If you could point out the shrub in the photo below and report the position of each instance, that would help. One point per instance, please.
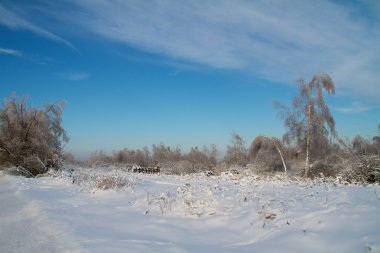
(331, 166)
(365, 169)
(107, 182)
(236, 153)
(31, 138)
(267, 155)
(100, 180)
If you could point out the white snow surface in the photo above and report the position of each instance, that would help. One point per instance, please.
(162, 213)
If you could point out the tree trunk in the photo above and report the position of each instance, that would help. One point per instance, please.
(275, 143)
(282, 158)
(308, 140)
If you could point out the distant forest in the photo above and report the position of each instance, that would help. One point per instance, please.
(32, 141)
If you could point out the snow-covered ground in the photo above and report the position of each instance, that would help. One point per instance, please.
(160, 213)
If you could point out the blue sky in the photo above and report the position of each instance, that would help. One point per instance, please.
(188, 73)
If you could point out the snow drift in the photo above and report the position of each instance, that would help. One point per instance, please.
(160, 213)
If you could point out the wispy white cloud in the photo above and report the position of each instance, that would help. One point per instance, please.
(36, 58)
(277, 40)
(355, 107)
(9, 51)
(74, 76)
(14, 21)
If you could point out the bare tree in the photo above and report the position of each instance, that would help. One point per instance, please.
(119, 156)
(310, 123)
(99, 157)
(236, 152)
(202, 159)
(69, 158)
(31, 138)
(142, 157)
(196, 158)
(361, 146)
(376, 144)
(211, 154)
(162, 154)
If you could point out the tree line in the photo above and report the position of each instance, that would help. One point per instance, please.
(33, 139)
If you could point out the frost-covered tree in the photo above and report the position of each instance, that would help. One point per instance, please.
(211, 154)
(309, 123)
(138, 157)
(269, 150)
(31, 138)
(196, 158)
(236, 152)
(202, 159)
(361, 146)
(376, 144)
(163, 154)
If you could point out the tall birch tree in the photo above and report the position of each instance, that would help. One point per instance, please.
(309, 123)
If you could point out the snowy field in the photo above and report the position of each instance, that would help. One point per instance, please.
(161, 213)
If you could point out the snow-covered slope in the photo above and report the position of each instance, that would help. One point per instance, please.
(159, 213)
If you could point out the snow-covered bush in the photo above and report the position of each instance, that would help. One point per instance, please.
(17, 171)
(182, 167)
(100, 180)
(106, 182)
(31, 139)
(331, 166)
(364, 169)
(236, 153)
(163, 202)
(219, 168)
(267, 154)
